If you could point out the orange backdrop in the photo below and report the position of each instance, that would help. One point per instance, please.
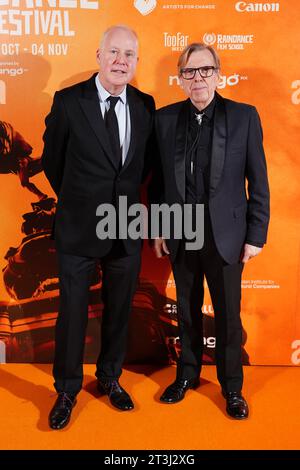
(46, 45)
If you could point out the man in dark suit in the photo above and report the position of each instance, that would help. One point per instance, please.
(96, 145)
(212, 154)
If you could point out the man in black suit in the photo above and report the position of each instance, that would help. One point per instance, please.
(97, 140)
(212, 154)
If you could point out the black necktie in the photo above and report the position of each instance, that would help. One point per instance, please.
(112, 127)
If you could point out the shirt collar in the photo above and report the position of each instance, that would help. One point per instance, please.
(208, 111)
(104, 94)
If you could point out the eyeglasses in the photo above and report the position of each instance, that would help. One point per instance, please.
(204, 72)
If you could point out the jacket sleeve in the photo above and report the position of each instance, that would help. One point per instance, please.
(151, 144)
(258, 213)
(55, 142)
(156, 184)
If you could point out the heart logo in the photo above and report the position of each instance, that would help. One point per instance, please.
(145, 6)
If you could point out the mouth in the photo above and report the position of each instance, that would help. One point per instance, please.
(199, 88)
(118, 71)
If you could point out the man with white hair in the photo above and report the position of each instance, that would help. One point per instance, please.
(97, 139)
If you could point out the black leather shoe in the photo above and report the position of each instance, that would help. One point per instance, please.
(61, 412)
(236, 405)
(117, 395)
(176, 391)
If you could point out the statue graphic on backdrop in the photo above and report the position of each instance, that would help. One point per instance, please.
(15, 158)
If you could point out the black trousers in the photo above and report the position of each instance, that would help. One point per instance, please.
(119, 278)
(224, 283)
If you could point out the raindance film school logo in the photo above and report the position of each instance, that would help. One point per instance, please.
(177, 42)
(228, 41)
(145, 6)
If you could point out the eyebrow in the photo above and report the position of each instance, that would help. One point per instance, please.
(118, 48)
(200, 66)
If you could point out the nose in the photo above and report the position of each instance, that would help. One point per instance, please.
(121, 58)
(198, 77)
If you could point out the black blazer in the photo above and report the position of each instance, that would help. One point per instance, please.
(80, 166)
(237, 158)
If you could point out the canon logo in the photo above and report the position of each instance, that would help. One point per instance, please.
(256, 7)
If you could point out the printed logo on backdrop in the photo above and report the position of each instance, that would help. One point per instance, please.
(295, 358)
(171, 309)
(267, 7)
(145, 6)
(2, 92)
(2, 352)
(170, 314)
(12, 69)
(176, 42)
(38, 19)
(260, 284)
(189, 6)
(41, 17)
(228, 41)
(209, 39)
(208, 341)
(296, 94)
(225, 80)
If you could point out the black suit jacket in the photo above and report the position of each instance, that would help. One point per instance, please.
(237, 162)
(80, 166)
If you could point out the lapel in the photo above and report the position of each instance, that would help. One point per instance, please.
(89, 103)
(218, 145)
(181, 133)
(136, 118)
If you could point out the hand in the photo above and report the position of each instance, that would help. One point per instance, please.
(160, 248)
(249, 252)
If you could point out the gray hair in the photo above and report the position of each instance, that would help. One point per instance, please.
(194, 47)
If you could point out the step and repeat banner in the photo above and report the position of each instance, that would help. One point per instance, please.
(46, 45)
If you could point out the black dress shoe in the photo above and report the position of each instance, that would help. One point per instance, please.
(176, 391)
(118, 397)
(236, 405)
(61, 412)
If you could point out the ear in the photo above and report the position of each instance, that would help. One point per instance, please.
(98, 54)
(180, 82)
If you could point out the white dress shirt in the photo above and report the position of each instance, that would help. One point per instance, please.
(122, 113)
